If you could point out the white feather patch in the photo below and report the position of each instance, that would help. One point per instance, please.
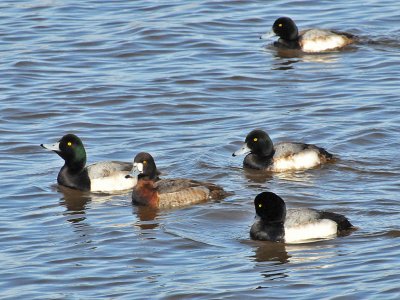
(317, 40)
(304, 160)
(115, 182)
(138, 166)
(321, 229)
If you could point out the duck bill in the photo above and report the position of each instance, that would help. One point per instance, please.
(136, 171)
(242, 151)
(267, 35)
(52, 147)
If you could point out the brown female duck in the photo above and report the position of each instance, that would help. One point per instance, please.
(152, 191)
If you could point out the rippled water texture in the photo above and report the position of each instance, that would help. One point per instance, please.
(186, 81)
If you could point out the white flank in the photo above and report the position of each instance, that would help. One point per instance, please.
(321, 229)
(116, 182)
(320, 40)
(304, 160)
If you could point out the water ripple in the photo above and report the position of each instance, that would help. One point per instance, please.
(187, 81)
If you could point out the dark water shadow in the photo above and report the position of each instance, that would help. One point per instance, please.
(261, 177)
(75, 203)
(390, 233)
(257, 176)
(147, 217)
(383, 43)
(270, 259)
(270, 251)
(287, 58)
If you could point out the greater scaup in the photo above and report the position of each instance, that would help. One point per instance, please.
(106, 176)
(262, 154)
(309, 40)
(277, 224)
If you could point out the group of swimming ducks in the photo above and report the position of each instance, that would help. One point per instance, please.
(275, 222)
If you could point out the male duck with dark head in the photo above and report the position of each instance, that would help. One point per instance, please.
(152, 191)
(262, 154)
(107, 176)
(309, 40)
(277, 224)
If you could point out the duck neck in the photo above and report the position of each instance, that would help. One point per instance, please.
(144, 193)
(147, 177)
(74, 178)
(291, 44)
(75, 165)
(258, 161)
(275, 230)
(76, 161)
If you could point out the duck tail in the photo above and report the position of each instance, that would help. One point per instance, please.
(324, 155)
(342, 222)
(328, 156)
(217, 192)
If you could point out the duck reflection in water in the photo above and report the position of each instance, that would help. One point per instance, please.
(147, 217)
(270, 251)
(286, 59)
(257, 176)
(270, 258)
(75, 202)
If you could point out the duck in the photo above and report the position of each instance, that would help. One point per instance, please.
(154, 192)
(105, 176)
(310, 40)
(262, 154)
(275, 223)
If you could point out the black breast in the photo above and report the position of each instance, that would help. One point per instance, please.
(257, 162)
(267, 232)
(75, 180)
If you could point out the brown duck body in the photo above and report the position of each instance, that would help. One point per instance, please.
(169, 193)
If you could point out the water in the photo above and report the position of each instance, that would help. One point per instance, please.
(186, 81)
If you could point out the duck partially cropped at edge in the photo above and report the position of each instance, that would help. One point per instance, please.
(106, 176)
(277, 224)
(262, 154)
(309, 40)
(152, 191)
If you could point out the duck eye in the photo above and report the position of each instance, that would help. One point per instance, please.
(145, 162)
(280, 25)
(260, 205)
(69, 144)
(255, 139)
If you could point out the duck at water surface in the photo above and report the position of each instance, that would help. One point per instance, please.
(152, 191)
(106, 176)
(309, 40)
(262, 154)
(277, 224)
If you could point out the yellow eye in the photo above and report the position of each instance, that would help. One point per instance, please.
(255, 139)
(260, 205)
(145, 162)
(69, 144)
(280, 25)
